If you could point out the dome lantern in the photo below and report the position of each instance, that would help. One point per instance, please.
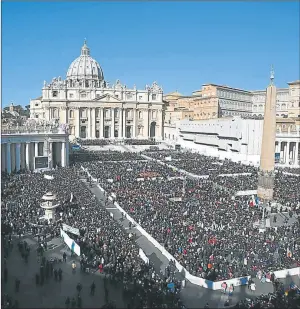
(85, 51)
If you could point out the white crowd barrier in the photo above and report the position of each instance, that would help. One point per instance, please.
(246, 192)
(70, 242)
(193, 279)
(287, 272)
(234, 175)
(290, 174)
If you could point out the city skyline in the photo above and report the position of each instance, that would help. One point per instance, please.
(142, 42)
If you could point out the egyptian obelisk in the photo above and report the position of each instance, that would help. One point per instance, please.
(266, 173)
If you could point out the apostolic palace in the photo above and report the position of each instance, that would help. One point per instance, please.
(95, 109)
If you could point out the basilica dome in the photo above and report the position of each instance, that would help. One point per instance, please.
(85, 67)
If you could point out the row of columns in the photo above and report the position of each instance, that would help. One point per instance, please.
(91, 125)
(17, 156)
(289, 152)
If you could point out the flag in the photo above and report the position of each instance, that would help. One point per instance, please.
(72, 196)
(212, 241)
(253, 200)
(48, 177)
(257, 200)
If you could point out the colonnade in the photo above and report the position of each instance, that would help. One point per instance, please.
(20, 156)
(289, 152)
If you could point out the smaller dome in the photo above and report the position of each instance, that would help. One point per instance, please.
(85, 67)
(174, 94)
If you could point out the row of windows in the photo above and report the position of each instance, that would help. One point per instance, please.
(284, 126)
(83, 96)
(278, 106)
(206, 114)
(234, 104)
(233, 95)
(277, 115)
(227, 113)
(279, 97)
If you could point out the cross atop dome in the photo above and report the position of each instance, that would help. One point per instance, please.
(85, 51)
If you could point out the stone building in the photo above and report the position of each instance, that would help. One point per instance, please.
(95, 109)
(287, 101)
(221, 101)
(214, 101)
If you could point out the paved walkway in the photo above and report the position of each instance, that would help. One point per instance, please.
(53, 294)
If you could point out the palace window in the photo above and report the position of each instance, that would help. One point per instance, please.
(56, 113)
(83, 113)
(83, 95)
(129, 96)
(71, 95)
(71, 114)
(153, 114)
(153, 97)
(140, 97)
(140, 115)
(107, 113)
(54, 94)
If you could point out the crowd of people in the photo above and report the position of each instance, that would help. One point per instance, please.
(102, 240)
(198, 164)
(105, 142)
(209, 231)
(287, 190)
(287, 186)
(93, 142)
(290, 170)
(237, 183)
(110, 155)
(128, 170)
(132, 141)
(281, 298)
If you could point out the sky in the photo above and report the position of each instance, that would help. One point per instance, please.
(181, 45)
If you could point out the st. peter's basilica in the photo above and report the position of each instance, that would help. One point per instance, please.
(93, 108)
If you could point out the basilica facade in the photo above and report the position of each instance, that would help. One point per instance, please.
(94, 109)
